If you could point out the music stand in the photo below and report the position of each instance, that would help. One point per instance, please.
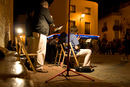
(68, 68)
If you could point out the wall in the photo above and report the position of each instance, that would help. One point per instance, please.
(125, 17)
(60, 9)
(6, 21)
(109, 19)
(92, 18)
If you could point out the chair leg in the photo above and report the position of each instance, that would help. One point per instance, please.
(63, 60)
(60, 57)
(56, 57)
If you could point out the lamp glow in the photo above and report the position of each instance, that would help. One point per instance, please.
(19, 30)
(83, 15)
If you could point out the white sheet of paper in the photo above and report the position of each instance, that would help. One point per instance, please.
(88, 40)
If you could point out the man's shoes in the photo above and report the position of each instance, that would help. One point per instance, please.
(41, 70)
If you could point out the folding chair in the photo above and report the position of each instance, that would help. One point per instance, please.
(58, 55)
(20, 48)
(71, 52)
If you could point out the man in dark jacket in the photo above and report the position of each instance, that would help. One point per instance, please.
(42, 19)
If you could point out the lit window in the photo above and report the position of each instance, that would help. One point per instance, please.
(72, 8)
(87, 11)
(87, 27)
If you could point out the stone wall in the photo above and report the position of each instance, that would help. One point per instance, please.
(6, 22)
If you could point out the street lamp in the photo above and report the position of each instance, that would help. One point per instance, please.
(82, 16)
(19, 30)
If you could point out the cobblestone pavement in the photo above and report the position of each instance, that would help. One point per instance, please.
(110, 72)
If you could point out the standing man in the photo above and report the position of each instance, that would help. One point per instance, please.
(75, 44)
(42, 19)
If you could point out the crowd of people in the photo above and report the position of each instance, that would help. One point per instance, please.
(112, 47)
(102, 47)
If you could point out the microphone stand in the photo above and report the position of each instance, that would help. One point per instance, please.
(68, 68)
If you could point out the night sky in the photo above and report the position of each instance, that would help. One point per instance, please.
(108, 6)
(20, 6)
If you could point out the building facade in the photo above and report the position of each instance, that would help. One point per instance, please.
(125, 18)
(106, 25)
(113, 26)
(86, 25)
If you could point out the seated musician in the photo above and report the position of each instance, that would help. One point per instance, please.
(75, 44)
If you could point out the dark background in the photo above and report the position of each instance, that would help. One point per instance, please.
(21, 6)
(105, 6)
(108, 6)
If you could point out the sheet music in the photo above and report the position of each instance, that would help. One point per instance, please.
(88, 40)
(58, 28)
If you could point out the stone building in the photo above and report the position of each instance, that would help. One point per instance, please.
(113, 26)
(6, 22)
(106, 25)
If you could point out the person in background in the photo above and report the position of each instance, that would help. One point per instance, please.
(127, 46)
(29, 26)
(52, 49)
(76, 46)
(42, 21)
(54, 41)
(62, 38)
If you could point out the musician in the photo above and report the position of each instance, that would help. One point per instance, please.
(75, 43)
(42, 20)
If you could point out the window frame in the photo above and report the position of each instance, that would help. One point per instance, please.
(86, 30)
(73, 6)
(89, 11)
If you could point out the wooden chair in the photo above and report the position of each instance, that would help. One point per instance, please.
(71, 52)
(21, 48)
(59, 55)
(64, 54)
